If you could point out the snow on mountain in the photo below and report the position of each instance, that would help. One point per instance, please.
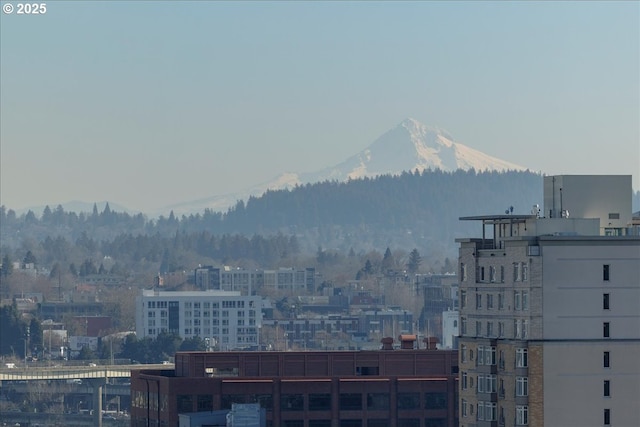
(407, 147)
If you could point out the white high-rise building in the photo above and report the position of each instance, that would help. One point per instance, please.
(450, 331)
(227, 320)
(550, 311)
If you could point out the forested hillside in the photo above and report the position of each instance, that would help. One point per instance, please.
(413, 210)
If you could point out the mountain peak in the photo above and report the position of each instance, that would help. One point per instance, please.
(407, 147)
(420, 130)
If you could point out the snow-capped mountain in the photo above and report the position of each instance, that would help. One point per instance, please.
(407, 147)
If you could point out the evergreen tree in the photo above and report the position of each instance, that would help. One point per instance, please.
(368, 268)
(12, 331)
(414, 261)
(387, 261)
(7, 266)
(29, 258)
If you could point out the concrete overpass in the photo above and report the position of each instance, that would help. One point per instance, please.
(74, 372)
(95, 376)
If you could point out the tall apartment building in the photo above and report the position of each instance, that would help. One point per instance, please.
(550, 311)
(227, 319)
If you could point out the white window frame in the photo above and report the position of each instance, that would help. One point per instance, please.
(522, 415)
(522, 386)
(490, 411)
(522, 358)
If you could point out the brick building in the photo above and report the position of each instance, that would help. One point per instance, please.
(406, 387)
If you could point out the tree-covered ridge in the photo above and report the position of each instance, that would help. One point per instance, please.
(413, 209)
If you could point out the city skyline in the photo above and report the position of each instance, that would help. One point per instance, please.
(147, 104)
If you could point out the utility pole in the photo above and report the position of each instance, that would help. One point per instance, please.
(26, 339)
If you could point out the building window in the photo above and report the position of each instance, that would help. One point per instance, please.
(501, 329)
(482, 274)
(605, 272)
(522, 415)
(478, 301)
(525, 300)
(463, 326)
(490, 411)
(376, 401)
(463, 272)
(516, 272)
(606, 360)
(607, 417)
(205, 402)
(487, 383)
(463, 299)
(492, 273)
(319, 402)
(463, 405)
(525, 272)
(522, 386)
(487, 411)
(486, 355)
(489, 329)
(350, 402)
(522, 358)
(184, 403)
(517, 302)
(605, 301)
(434, 401)
(607, 388)
(408, 401)
(502, 273)
(489, 301)
(478, 329)
(291, 402)
(463, 353)
(605, 330)
(465, 377)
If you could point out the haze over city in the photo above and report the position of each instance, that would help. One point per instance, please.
(146, 104)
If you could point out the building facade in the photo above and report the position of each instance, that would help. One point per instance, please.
(382, 388)
(550, 312)
(248, 282)
(227, 320)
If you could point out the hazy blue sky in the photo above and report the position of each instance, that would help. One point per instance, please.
(149, 103)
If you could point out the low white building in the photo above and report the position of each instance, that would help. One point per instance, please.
(226, 319)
